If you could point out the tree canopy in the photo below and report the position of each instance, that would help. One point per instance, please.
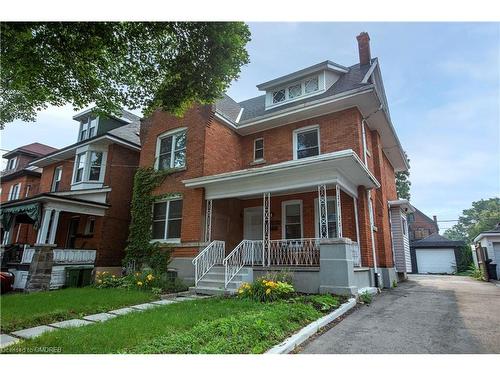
(482, 216)
(146, 65)
(403, 184)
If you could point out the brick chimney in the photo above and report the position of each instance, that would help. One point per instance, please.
(436, 221)
(365, 56)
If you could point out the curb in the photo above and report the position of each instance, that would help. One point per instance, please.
(293, 341)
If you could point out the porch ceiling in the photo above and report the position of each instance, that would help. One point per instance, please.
(342, 167)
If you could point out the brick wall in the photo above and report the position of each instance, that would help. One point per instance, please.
(421, 226)
(48, 175)
(30, 185)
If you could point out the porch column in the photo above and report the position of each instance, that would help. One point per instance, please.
(53, 227)
(339, 211)
(266, 229)
(44, 228)
(323, 211)
(208, 221)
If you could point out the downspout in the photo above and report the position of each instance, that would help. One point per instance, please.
(374, 254)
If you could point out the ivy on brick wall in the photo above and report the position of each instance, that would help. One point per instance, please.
(140, 251)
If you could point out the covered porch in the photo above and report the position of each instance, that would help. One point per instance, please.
(62, 228)
(277, 216)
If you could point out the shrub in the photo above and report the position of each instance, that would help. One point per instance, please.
(322, 302)
(283, 276)
(394, 284)
(144, 280)
(365, 298)
(265, 290)
(476, 273)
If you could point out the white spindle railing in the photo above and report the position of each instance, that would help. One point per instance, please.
(210, 256)
(75, 256)
(28, 253)
(356, 256)
(296, 252)
(242, 255)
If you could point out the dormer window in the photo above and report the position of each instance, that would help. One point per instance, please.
(295, 91)
(88, 128)
(11, 164)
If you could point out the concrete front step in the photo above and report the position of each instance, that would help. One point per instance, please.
(218, 284)
(213, 282)
(212, 291)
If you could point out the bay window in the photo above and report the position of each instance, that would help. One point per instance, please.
(95, 165)
(89, 165)
(167, 220)
(171, 150)
(80, 166)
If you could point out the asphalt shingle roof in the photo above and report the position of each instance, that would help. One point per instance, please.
(436, 240)
(255, 107)
(36, 149)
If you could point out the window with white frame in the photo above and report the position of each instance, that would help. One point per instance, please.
(88, 128)
(258, 149)
(14, 192)
(90, 225)
(27, 192)
(88, 166)
(167, 220)
(11, 164)
(306, 143)
(331, 209)
(56, 181)
(295, 90)
(292, 219)
(404, 226)
(311, 85)
(171, 150)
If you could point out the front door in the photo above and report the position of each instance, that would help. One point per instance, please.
(72, 232)
(252, 223)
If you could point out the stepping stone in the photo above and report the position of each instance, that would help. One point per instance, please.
(143, 306)
(123, 311)
(180, 299)
(99, 317)
(163, 302)
(70, 323)
(30, 333)
(6, 340)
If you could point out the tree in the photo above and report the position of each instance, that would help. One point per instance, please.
(403, 184)
(147, 65)
(483, 215)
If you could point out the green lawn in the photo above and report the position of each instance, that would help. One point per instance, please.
(22, 310)
(215, 325)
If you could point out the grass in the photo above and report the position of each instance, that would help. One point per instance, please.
(215, 325)
(21, 310)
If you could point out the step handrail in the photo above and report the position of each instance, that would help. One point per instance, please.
(210, 256)
(243, 254)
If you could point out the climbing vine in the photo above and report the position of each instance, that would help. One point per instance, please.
(140, 251)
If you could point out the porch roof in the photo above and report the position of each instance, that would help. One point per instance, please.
(61, 203)
(342, 167)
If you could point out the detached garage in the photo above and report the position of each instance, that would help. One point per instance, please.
(435, 254)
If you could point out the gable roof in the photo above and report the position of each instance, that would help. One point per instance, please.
(35, 149)
(436, 240)
(425, 217)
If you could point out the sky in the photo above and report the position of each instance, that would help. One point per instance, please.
(442, 81)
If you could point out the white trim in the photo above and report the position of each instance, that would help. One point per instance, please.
(15, 188)
(58, 168)
(167, 200)
(239, 115)
(82, 191)
(171, 133)
(269, 103)
(283, 217)
(305, 129)
(14, 164)
(370, 71)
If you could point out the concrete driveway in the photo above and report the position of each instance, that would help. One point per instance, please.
(426, 314)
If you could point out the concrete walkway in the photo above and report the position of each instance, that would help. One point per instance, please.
(29, 333)
(426, 314)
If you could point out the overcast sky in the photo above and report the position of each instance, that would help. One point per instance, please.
(442, 83)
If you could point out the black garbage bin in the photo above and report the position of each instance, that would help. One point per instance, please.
(78, 276)
(492, 269)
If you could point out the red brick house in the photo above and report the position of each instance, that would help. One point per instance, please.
(80, 212)
(297, 178)
(18, 180)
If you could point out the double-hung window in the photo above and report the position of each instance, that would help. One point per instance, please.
(11, 164)
(172, 150)
(404, 226)
(306, 143)
(258, 149)
(88, 128)
(92, 127)
(292, 219)
(57, 178)
(95, 165)
(167, 220)
(80, 166)
(14, 192)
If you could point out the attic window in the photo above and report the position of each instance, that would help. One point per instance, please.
(279, 96)
(294, 91)
(311, 85)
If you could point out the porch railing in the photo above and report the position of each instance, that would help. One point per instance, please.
(242, 255)
(75, 256)
(210, 256)
(296, 252)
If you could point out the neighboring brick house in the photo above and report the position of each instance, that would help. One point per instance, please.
(20, 181)
(282, 179)
(81, 210)
(421, 226)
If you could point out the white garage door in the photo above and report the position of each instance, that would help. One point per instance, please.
(436, 261)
